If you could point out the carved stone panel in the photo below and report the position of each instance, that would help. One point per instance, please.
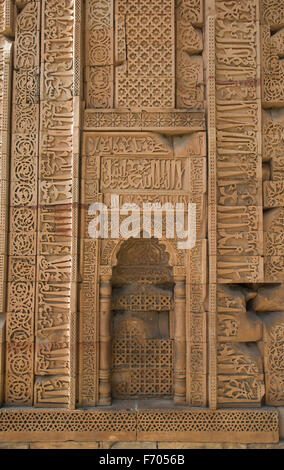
(145, 168)
(23, 201)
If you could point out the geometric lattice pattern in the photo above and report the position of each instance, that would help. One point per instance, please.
(149, 425)
(147, 78)
(149, 364)
(146, 383)
(61, 421)
(209, 421)
(143, 302)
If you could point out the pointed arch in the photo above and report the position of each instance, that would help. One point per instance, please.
(170, 249)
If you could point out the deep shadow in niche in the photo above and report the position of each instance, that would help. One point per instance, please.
(142, 321)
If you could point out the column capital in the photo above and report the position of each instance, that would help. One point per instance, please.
(179, 273)
(105, 273)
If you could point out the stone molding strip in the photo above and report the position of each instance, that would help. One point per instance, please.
(242, 426)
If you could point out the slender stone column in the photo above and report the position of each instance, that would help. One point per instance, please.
(179, 341)
(105, 341)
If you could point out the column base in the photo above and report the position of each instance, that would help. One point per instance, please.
(179, 401)
(104, 402)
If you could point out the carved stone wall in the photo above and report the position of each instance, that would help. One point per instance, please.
(174, 101)
(272, 45)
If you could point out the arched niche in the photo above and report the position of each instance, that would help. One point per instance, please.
(142, 323)
(111, 248)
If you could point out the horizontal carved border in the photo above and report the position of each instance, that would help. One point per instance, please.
(163, 425)
(167, 121)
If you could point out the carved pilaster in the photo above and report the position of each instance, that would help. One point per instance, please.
(89, 286)
(179, 341)
(235, 185)
(105, 341)
(99, 39)
(5, 104)
(189, 64)
(272, 49)
(7, 17)
(58, 197)
(212, 201)
(23, 201)
(2, 357)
